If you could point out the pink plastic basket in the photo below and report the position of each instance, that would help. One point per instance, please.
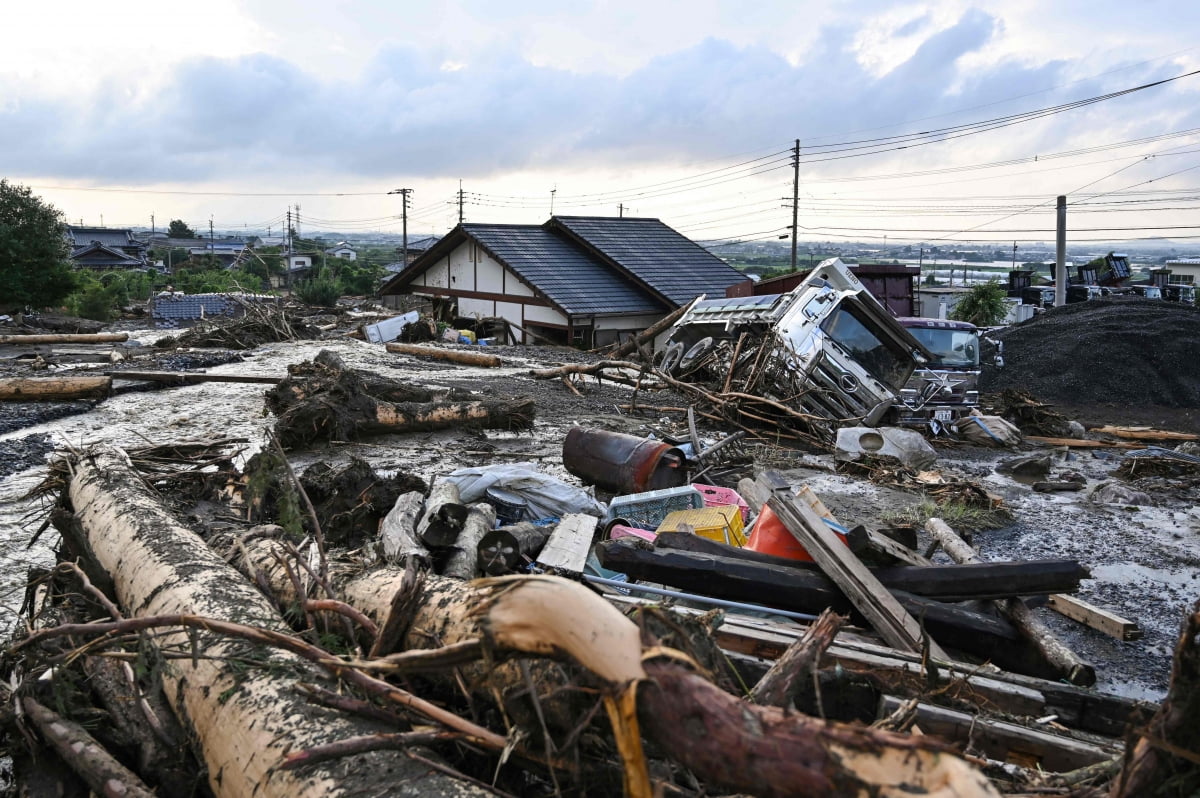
(715, 496)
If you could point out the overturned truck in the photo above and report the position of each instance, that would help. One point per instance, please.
(826, 348)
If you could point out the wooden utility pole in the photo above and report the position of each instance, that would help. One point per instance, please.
(1060, 260)
(460, 202)
(795, 197)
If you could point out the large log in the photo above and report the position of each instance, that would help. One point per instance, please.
(444, 515)
(53, 389)
(757, 750)
(194, 377)
(1068, 664)
(463, 562)
(398, 539)
(245, 721)
(503, 549)
(66, 338)
(452, 355)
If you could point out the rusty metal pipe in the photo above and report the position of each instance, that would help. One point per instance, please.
(623, 463)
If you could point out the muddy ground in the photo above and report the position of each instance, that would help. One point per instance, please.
(1143, 558)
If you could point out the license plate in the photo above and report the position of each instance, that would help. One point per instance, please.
(943, 415)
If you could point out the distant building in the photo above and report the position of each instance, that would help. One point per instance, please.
(582, 280)
(343, 251)
(1184, 270)
(106, 248)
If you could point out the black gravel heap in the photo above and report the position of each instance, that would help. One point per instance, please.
(1124, 351)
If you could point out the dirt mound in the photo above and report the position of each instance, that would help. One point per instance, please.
(1111, 351)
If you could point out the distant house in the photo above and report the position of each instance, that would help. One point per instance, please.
(575, 279)
(105, 248)
(343, 251)
(1184, 270)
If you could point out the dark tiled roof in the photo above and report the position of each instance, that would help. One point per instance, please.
(99, 255)
(561, 270)
(654, 253)
(108, 236)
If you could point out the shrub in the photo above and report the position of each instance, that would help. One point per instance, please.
(322, 291)
(983, 305)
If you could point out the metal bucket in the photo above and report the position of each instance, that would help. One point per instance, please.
(623, 463)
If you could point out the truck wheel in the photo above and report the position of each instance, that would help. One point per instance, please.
(671, 357)
(698, 351)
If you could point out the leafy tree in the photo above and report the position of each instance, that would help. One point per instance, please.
(983, 305)
(322, 290)
(179, 229)
(34, 270)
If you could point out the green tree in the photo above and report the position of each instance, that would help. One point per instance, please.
(179, 229)
(34, 270)
(983, 305)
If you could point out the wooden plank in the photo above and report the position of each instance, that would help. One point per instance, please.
(1147, 434)
(863, 538)
(1081, 443)
(192, 377)
(1004, 741)
(871, 598)
(568, 547)
(1092, 616)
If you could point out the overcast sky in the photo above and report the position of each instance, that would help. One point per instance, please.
(686, 111)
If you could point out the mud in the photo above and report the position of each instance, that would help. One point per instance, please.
(1143, 559)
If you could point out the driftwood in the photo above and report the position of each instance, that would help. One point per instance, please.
(444, 516)
(66, 338)
(788, 675)
(503, 549)
(245, 721)
(193, 377)
(1063, 659)
(103, 773)
(52, 389)
(463, 562)
(398, 539)
(452, 355)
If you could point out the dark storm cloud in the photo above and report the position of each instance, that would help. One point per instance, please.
(411, 113)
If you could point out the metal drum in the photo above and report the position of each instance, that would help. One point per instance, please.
(623, 463)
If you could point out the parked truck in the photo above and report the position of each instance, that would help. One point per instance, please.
(947, 387)
(827, 348)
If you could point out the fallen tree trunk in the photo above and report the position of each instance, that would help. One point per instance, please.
(51, 389)
(503, 549)
(444, 515)
(65, 338)
(398, 539)
(753, 749)
(193, 377)
(463, 562)
(1062, 659)
(245, 720)
(452, 355)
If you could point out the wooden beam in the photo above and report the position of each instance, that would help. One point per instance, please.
(452, 355)
(567, 549)
(1092, 616)
(862, 539)
(1081, 443)
(193, 377)
(1146, 434)
(66, 338)
(869, 597)
(51, 389)
(1004, 741)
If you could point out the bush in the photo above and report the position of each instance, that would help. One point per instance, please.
(322, 291)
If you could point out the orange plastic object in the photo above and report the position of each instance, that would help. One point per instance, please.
(770, 536)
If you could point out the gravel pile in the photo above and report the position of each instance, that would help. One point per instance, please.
(1104, 351)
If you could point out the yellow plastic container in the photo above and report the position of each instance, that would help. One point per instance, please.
(722, 523)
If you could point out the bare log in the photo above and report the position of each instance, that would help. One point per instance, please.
(195, 377)
(52, 389)
(452, 355)
(503, 549)
(464, 558)
(65, 338)
(398, 539)
(444, 515)
(1055, 652)
(245, 721)
(779, 685)
(102, 772)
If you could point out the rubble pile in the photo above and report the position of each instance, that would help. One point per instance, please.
(1104, 351)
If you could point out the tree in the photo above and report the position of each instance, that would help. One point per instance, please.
(178, 229)
(34, 270)
(984, 305)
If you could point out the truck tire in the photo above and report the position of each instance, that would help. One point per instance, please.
(697, 353)
(671, 357)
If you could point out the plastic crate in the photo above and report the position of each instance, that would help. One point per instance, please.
(715, 496)
(647, 510)
(722, 524)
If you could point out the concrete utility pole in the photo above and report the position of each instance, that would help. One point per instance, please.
(1060, 261)
(795, 197)
(460, 202)
(403, 192)
(212, 247)
(621, 211)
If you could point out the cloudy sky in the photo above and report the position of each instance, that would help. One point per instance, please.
(918, 122)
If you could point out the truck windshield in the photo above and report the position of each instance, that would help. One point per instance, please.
(852, 330)
(951, 348)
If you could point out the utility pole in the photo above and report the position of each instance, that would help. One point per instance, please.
(298, 220)
(212, 247)
(621, 211)
(795, 198)
(1014, 256)
(553, 191)
(152, 225)
(1060, 260)
(460, 202)
(403, 192)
